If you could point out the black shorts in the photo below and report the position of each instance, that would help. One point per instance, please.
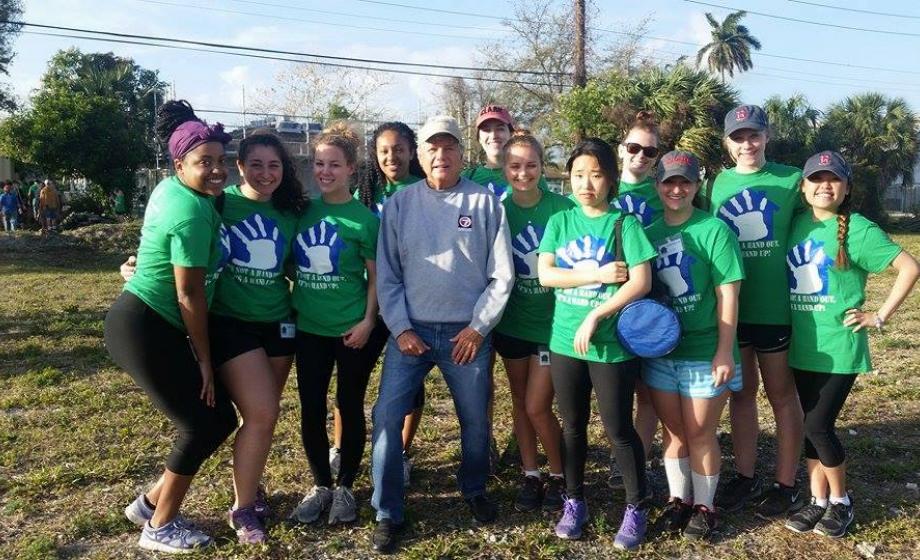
(513, 348)
(232, 337)
(766, 339)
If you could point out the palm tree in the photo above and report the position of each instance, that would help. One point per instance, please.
(730, 48)
(878, 137)
(793, 126)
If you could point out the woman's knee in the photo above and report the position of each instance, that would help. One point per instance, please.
(262, 417)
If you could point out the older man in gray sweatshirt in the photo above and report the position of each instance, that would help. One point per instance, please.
(444, 273)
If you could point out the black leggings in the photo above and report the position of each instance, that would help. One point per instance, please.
(822, 396)
(316, 356)
(614, 385)
(158, 357)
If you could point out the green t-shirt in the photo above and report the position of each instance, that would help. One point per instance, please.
(758, 208)
(494, 180)
(580, 242)
(529, 312)
(253, 286)
(33, 191)
(381, 195)
(332, 243)
(181, 228)
(120, 206)
(639, 199)
(694, 258)
(820, 293)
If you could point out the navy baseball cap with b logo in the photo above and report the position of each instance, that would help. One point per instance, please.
(745, 116)
(827, 160)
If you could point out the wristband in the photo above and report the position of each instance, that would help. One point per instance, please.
(879, 322)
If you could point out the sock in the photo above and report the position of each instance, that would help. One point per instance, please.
(556, 475)
(845, 500)
(678, 473)
(821, 502)
(148, 504)
(535, 473)
(704, 489)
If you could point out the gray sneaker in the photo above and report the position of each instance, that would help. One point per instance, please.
(344, 508)
(175, 537)
(313, 505)
(138, 512)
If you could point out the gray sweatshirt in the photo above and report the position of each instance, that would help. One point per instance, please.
(444, 256)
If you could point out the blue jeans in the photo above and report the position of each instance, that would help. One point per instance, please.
(401, 379)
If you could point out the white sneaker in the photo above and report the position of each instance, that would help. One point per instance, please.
(313, 505)
(138, 512)
(407, 470)
(344, 508)
(175, 537)
(335, 461)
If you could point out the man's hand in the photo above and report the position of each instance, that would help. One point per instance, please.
(411, 344)
(466, 345)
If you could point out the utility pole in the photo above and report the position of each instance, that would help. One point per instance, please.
(581, 75)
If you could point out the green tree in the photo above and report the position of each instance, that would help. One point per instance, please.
(92, 117)
(730, 48)
(689, 105)
(793, 126)
(878, 137)
(10, 10)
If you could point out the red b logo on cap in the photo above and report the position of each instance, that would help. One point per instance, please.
(824, 159)
(741, 114)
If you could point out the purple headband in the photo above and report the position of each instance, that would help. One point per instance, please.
(191, 134)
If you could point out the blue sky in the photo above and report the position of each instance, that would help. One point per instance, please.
(215, 81)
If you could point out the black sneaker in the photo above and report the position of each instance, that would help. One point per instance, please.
(777, 501)
(484, 511)
(702, 523)
(835, 521)
(553, 494)
(804, 520)
(386, 536)
(530, 494)
(735, 493)
(674, 517)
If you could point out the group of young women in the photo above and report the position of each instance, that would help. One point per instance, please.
(208, 321)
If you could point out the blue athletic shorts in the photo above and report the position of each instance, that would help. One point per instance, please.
(690, 378)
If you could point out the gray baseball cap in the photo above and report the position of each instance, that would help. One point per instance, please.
(440, 124)
(827, 160)
(678, 163)
(745, 116)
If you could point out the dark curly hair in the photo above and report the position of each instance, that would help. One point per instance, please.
(371, 178)
(170, 116)
(288, 197)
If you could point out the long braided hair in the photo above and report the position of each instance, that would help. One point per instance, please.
(843, 229)
(371, 177)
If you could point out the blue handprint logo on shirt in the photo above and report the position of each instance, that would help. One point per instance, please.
(636, 205)
(524, 250)
(257, 243)
(223, 245)
(317, 249)
(808, 268)
(585, 253)
(674, 271)
(498, 189)
(750, 215)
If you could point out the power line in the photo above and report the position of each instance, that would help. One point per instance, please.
(285, 115)
(451, 12)
(282, 52)
(871, 12)
(810, 22)
(299, 61)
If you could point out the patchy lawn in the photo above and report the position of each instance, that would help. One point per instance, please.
(78, 440)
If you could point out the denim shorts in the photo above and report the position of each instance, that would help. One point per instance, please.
(690, 378)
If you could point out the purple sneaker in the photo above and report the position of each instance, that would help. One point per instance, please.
(574, 514)
(632, 530)
(249, 529)
(260, 504)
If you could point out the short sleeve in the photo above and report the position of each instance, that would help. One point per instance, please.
(874, 250)
(368, 250)
(727, 264)
(636, 247)
(550, 242)
(190, 244)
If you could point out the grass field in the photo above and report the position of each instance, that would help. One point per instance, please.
(78, 440)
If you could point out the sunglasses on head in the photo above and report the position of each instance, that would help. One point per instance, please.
(633, 148)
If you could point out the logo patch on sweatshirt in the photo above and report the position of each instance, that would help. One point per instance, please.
(465, 222)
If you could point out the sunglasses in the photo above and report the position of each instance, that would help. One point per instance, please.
(648, 151)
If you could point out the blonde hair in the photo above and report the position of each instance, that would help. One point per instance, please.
(343, 137)
(523, 137)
